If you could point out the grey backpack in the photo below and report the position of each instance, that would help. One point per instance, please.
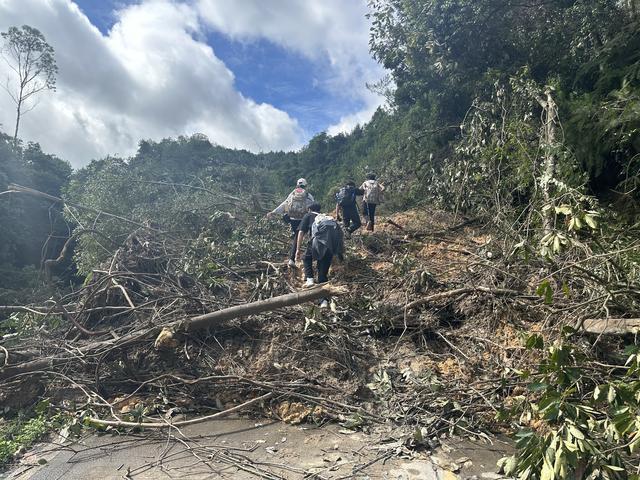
(297, 205)
(372, 192)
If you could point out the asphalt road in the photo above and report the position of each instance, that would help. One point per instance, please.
(241, 448)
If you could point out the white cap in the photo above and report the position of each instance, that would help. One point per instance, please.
(301, 182)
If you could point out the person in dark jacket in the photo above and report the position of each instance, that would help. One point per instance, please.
(346, 200)
(325, 241)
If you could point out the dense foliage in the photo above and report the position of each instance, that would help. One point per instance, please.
(173, 186)
(33, 228)
(528, 114)
(582, 422)
(456, 60)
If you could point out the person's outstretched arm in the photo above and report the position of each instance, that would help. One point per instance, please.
(280, 209)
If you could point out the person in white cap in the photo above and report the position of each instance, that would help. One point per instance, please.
(293, 209)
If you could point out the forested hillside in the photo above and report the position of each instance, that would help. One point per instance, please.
(517, 121)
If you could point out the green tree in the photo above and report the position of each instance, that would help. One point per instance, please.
(32, 61)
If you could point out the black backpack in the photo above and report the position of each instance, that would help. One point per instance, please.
(346, 197)
(326, 235)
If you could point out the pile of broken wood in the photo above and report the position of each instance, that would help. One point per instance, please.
(424, 334)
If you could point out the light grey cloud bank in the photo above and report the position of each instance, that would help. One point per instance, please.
(153, 75)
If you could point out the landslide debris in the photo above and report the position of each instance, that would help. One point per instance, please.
(426, 340)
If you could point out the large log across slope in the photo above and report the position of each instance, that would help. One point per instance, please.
(188, 324)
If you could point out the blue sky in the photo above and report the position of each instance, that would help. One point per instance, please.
(100, 12)
(255, 74)
(263, 71)
(287, 80)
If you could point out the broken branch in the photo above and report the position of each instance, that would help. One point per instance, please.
(194, 323)
(224, 413)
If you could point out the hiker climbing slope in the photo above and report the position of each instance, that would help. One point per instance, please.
(294, 207)
(346, 200)
(325, 241)
(373, 196)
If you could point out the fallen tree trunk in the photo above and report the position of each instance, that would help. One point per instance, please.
(184, 325)
(206, 320)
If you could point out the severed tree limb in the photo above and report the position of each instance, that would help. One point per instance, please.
(49, 264)
(610, 326)
(193, 421)
(32, 366)
(461, 291)
(296, 298)
(80, 327)
(44, 311)
(23, 308)
(394, 224)
(184, 325)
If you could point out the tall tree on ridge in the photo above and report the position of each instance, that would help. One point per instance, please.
(31, 58)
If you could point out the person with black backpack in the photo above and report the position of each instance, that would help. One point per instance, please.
(373, 196)
(294, 207)
(326, 240)
(346, 200)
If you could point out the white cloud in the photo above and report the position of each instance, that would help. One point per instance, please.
(152, 76)
(348, 122)
(334, 30)
(335, 27)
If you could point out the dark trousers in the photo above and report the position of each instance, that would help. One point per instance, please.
(369, 210)
(351, 218)
(323, 264)
(295, 225)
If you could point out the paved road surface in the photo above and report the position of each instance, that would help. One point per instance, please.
(241, 448)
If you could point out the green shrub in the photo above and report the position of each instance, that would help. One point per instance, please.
(580, 419)
(26, 429)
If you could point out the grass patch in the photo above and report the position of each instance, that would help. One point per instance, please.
(25, 429)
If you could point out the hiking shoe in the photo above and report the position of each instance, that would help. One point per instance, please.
(291, 263)
(309, 283)
(324, 304)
